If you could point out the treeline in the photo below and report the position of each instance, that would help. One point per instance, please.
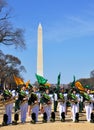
(9, 36)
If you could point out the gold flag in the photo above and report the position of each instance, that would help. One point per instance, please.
(47, 84)
(27, 83)
(79, 86)
(18, 80)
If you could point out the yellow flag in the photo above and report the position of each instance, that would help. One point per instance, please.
(27, 83)
(79, 86)
(47, 84)
(18, 80)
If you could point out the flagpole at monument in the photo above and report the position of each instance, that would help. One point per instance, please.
(40, 51)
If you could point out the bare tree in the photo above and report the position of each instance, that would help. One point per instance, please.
(8, 34)
(9, 66)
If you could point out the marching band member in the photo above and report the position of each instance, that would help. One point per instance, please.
(7, 119)
(88, 100)
(49, 104)
(33, 104)
(23, 103)
(62, 98)
(74, 100)
(45, 105)
(16, 105)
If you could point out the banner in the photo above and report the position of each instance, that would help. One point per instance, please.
(79, 86)
(18, 80)
(41, 80)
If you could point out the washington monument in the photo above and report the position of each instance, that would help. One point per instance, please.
(40, 52)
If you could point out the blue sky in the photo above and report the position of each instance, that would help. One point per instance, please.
(68, 37)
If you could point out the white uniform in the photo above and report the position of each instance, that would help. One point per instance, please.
(23, 108)
(62, 106)
(47, 109)
(89, 108)
(8, 111)
(75, 108)
(35, 109)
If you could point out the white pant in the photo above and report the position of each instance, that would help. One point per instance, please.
(35, 110)
(23, 109)
(8, 111)
(47, 109)
(88, 109)
(74, 109)
(62, 108)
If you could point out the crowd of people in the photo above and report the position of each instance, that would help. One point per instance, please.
(29, 102)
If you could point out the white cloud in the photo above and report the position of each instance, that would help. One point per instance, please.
(71, 27)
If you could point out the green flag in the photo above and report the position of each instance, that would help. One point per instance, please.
(58, 79)
(73, 83)
(41, 80)
(58, 83)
